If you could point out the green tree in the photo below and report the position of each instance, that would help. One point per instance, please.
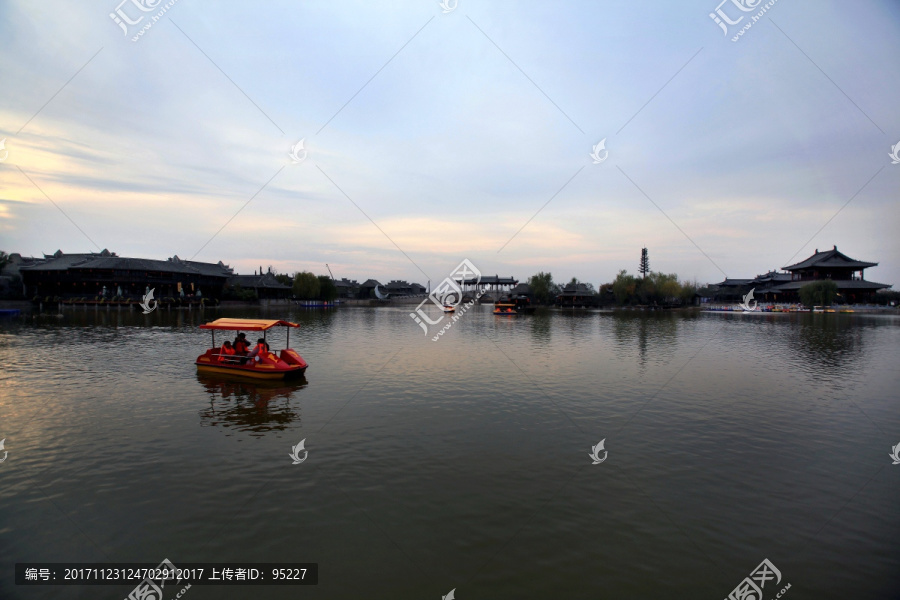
(285, 279)
(4, 260)
(306, 286)
(818, 293)
(688, 291)
(624, 287)
(666, 287)
(545, 291)
(644, 269)
(327, 290)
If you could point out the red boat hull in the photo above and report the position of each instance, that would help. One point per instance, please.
(288, 363)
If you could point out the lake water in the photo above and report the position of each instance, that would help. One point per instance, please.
(463, 463)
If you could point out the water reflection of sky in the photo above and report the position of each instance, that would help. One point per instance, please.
(750, 432)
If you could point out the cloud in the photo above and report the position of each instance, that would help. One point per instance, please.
(447, 143)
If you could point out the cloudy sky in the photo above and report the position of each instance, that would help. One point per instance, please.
(432, 136)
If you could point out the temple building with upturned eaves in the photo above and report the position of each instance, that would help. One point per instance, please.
(846, 272)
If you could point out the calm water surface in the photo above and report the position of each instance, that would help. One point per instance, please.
(463, 463)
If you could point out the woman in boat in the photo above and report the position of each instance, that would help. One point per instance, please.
(225, 352)
(261, 352)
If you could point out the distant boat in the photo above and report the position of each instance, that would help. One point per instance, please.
(516, 305)
(449, 308)
(505, 308)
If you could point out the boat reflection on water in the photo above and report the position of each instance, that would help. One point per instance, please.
(250, 406)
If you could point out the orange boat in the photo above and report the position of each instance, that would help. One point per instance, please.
(505, 308)
(269, 366)
(515, 305)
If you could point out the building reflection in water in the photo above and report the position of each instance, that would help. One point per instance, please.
(829, 343)
(250, 406)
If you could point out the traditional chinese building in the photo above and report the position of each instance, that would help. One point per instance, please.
(577, 294)
(107, 275)
(490, 283)
(367, 289)
(398, 287)
(347, 288)
(266, 286)
(847, 273)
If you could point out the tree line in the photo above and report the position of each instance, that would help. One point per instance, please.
(308, 286)
(304, 286)
(626, 290)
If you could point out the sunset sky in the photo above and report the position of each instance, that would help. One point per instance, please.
(432, 137)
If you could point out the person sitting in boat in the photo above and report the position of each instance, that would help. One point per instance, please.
(261, 353)
(241, 347)
(225, 351)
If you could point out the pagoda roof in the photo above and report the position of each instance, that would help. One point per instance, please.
(830, 259)
(772, 276)
(733, 282)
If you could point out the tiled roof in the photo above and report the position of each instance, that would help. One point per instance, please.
(576, 289)
(830, 258)
(842, 284)
(492, 280)
(109, 260)
(266, 280)
(732, 282)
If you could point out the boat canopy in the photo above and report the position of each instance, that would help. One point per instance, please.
(246, 324)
